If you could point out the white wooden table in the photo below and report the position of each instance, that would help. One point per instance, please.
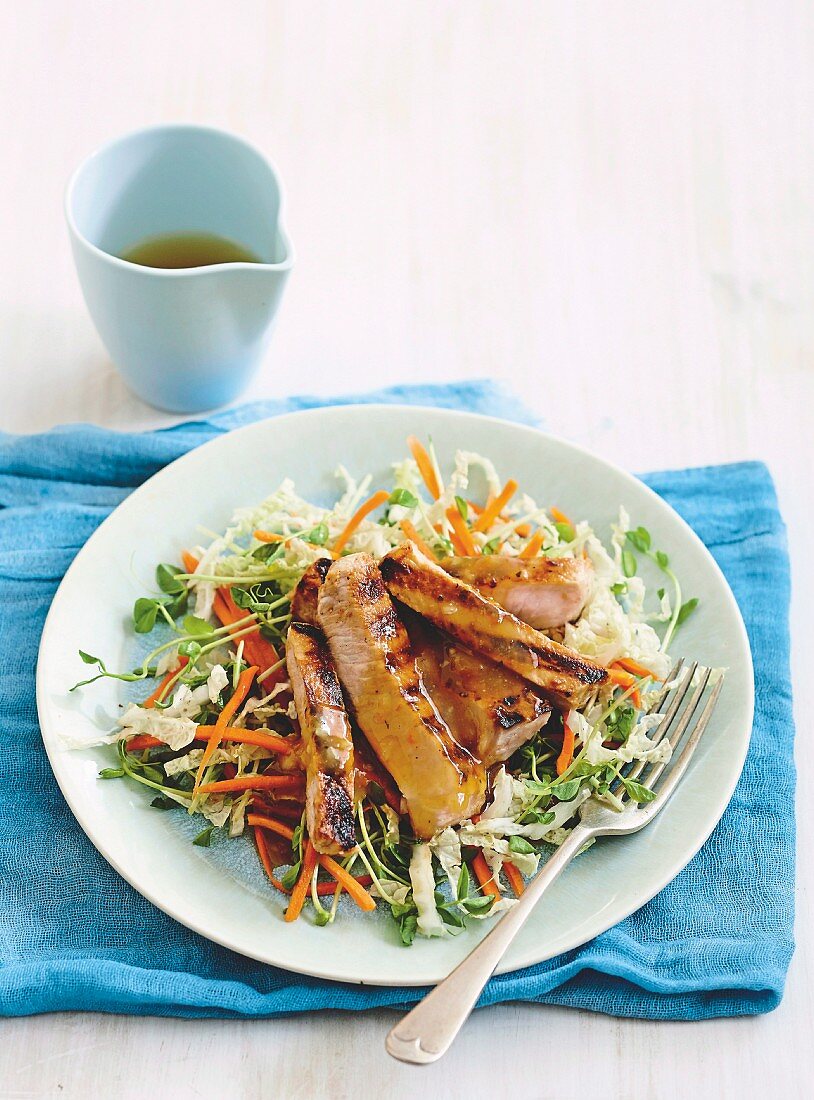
(609, 207)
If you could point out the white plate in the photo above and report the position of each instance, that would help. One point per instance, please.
(220, 892)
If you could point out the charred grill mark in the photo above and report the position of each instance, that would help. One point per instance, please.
(329, 693)
(393, 569)
(507, 718)
(337, 817)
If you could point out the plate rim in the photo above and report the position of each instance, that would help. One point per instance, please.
(530, 957)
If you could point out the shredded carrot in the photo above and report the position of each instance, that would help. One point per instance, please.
(621, 677)
(190, 562)
(462, 537)
(270, 536)
(379, 498)
(332, 887)
(309, 862)
(144, 741)
(265, 859)
(271, 824)
(560, 517)
(629, 665)
(323, 888)
(484, 876)
(532, 547)
(238, 695)
(495, 506)
(151, 700)
(349, 883)
(239, 736)
(522, 529)
(273, 536)
(413, 535)
(624, 679)
(257, 649)
(252, 783)
(567, 751)
(425, 466)
(515, 878)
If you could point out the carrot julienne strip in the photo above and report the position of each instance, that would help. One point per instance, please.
(258, 650)
(252, 783)
(324, 889)
(265, 859)
(413, 535)
(560, 517)
(624, 679)
(309, 862)
(532, 547)
(144, 741)
(522, 529)
(271, 824)
(273, 536)
(425, 466)
(567, 751)
(349, 883)
(515, 878)
(621, 677)
(238, 695)
(462, 536)
(270, 536)
(495, 506)
(379, 498)
(484, 876)
(151, 700)
(191, 563)
(239, 736)
(629, 665)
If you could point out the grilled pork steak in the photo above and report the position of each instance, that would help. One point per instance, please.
(441, 782)
(480, 623)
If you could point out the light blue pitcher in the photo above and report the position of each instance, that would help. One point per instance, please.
(184, 339)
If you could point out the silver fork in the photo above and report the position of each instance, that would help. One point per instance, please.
(428, 1031)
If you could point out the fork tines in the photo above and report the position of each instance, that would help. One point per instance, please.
(682, 695)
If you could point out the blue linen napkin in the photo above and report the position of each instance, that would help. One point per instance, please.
(73, 935)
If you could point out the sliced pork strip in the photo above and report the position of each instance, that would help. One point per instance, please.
(327, 743)
(543, 592)
(490, 710)
(441, 782)
(480, 623)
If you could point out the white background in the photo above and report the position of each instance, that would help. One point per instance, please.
(609, 207)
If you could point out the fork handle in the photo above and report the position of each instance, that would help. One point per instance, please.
(429, 1029)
